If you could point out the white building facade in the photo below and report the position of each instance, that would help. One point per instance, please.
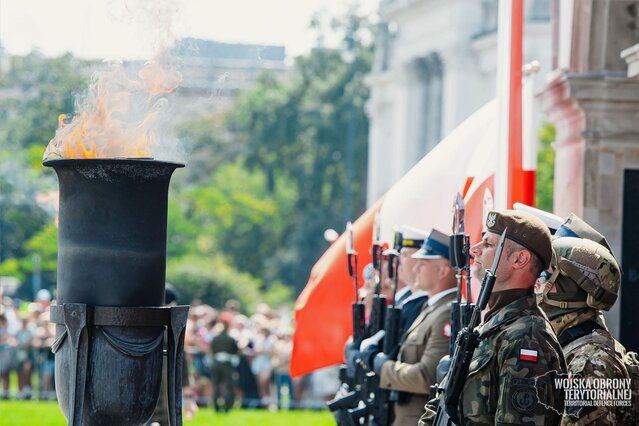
(435, 64)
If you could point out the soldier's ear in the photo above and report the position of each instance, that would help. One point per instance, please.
(444, 271)
(521, 259)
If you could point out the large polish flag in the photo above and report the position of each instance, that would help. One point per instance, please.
(422, 198)
(490, 158)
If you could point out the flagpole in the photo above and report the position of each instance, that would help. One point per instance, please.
(503, 90)
(516, 183)
(511, 184)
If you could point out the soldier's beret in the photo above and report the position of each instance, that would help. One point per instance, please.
(524, 229)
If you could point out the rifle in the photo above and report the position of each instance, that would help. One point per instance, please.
(367, 380)
(359, 320)
(467, 342)
(381, 402)
(346, 406)
(376, 322)
(459, 254)
(348, 394)
(393, 312)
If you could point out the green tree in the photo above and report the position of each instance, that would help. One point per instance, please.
(35, 90)
(545, 167)
(228, 222)
(232, 213)
(212, 280)
(20, 215)
(313, 129)
(38, 90)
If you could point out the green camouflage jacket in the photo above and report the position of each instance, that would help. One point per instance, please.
(596, 355)
(511, 376)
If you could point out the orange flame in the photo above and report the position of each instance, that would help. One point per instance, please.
(119, 116)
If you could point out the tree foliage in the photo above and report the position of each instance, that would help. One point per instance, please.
(545, 168)
(232, 213)
(32, 92)
(38, 89)
(247, 216)
(312, 128)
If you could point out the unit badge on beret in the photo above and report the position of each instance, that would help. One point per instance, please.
(491, 219)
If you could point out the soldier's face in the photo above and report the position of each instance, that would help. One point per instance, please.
(483, 254)
(426, 273)
(386, 282)
(406, 266)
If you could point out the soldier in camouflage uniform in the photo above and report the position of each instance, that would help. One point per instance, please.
(585, 280)
(511, 376)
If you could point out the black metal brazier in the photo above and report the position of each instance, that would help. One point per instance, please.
(111, 279)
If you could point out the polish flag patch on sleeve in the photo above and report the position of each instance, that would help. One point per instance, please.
(529, 355)
(447, 329)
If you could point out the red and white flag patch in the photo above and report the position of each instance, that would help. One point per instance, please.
(447, 329)
(528, 355)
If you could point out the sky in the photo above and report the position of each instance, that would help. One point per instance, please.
(126, 29)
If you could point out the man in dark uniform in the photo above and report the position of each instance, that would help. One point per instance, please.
(511, 375)
(411, 303)
(224, 371)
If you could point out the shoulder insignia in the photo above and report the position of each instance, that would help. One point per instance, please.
(529, 355)
(447, 329)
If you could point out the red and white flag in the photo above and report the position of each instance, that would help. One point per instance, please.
(483, 155)
(516, 168)
(529, 355)
(462, 161)
(447, 329)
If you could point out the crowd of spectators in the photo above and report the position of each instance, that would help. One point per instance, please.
(26, 336)
(259, 367)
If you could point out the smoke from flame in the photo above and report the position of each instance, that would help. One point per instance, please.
(121, 115)
(118, 118)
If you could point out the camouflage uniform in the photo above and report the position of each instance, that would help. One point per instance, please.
(596, 355)
(503, 388)
(586, 279)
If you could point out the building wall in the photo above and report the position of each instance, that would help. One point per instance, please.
(412, 108)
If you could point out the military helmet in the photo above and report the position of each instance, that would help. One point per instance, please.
(574, 226)
(579, 266)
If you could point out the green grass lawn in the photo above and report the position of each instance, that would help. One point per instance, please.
(32, 413)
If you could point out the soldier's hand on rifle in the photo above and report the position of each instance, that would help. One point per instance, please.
(373, 340)
(370, 347)
(351, 355)
(379, 361)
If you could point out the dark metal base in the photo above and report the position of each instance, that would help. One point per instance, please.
(109, 362)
